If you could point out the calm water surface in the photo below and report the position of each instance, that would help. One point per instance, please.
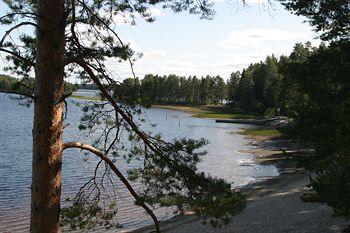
(223, 160)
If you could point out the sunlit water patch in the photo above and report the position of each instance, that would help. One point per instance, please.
(222, 160)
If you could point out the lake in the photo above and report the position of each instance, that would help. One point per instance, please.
(222, 160)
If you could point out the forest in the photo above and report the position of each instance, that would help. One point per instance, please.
(310, 86)
(275, 86)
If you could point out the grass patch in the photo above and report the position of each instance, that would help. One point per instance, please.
(223, 115)
(261, 132)
(81, 97)
(210, 111)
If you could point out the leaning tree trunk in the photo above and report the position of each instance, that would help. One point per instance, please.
(48, 108)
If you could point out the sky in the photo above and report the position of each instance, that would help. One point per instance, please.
(185, 45)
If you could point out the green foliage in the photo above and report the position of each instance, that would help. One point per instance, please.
(331, 18)
(262, 132)
(225, 112)
(86, 215)
(259, 88)
(214, 200)
(7, 82)
(311, 86)
(323, 119)
(169, 174)
(81, 97)
(185, 188)
(232, 87)
(90, 39)
(171, 89)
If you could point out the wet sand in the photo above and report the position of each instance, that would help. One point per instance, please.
(274, 204)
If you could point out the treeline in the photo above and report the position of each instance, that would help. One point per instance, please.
(270, 87)
(317, 96)
(311, 86)
(11, 84)
(172, 89)
(257, 88)
(267, 88)
(88, 86)
(6, 82)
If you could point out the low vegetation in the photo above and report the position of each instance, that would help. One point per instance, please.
(82, 97)
(264, 132)
(26, 85)
(210, 111)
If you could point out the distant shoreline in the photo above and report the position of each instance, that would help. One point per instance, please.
(208, 111)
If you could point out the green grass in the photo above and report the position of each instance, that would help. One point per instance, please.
(223, 115)
(81, 97)
(210, 111)
(262, 132)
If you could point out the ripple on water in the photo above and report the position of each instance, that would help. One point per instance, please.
(223, 160)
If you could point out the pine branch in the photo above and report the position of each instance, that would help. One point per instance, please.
(7, 33)
(102, 156)
(18, 56)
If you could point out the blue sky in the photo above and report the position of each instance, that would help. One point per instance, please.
(185, 45)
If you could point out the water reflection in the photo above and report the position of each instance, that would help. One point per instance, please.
(223, 160)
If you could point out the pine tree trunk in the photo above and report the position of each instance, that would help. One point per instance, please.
(48, 108)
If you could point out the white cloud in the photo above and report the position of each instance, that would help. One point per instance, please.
(179, 63)
(193, 56)
(156, 12)
(132, 44)
(126, 19)
(257, 37)
(257, 1)
(240, 2)
(218, 1)
(122, 19)
(155, 53)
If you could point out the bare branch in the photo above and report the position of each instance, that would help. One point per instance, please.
(117, 172)
(110, 30)
(72, 26)
(29, 62)
(25, 14)
(95, 79)
(7, 33)
(144, 137)
(64, 97)
(31, 96)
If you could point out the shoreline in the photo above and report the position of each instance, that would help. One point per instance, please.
(209, 111)
(279, 153)
(287, 169)
(274, 204)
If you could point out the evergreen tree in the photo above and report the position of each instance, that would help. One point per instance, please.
(232, 87)
(76, 37)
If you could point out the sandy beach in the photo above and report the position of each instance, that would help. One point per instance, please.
(274, 204)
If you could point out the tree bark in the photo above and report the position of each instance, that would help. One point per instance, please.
(48, 109)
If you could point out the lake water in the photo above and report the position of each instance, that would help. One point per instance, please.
(222, 160)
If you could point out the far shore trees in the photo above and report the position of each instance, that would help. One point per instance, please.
(172, 89)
